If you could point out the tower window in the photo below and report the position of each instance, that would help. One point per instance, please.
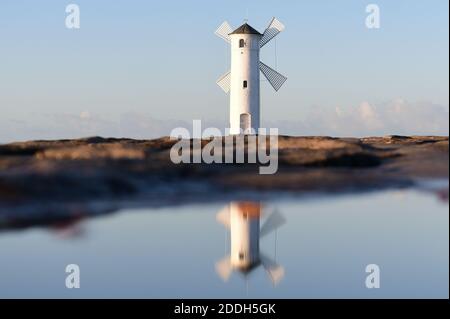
(244, 84)
(241, 43)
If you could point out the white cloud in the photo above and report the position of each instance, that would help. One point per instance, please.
(55, 126)
(85, 124)
(85, 115)
(397, 116)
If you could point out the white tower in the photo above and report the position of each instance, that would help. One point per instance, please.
(243, 81)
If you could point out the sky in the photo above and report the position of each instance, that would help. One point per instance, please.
(140, 68)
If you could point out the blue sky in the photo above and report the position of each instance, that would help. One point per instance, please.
(159, 60)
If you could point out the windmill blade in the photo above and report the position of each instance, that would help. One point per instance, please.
(224, 82)
(275, 79)
(275, 271)
(224, 268)
(223, 216)
(271, 32)
(223, 31)
(274, 221)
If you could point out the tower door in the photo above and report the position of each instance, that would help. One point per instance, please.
(246, 123)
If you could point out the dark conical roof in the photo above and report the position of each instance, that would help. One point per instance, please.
(245, 29)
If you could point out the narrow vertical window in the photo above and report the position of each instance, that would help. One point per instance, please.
(241, 43)
(244, 84)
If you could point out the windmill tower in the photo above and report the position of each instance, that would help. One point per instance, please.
(243, 221)
(243, 81)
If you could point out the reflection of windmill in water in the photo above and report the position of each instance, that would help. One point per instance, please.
(243, 221)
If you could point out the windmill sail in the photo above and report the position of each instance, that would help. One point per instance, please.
(224, 216)
(275, 271)
(224, 82)
(274, 221)
(271, 32)
(275, 79)
(223, 268)
(223, 31)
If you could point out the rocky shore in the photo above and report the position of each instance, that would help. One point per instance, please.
(41, 180)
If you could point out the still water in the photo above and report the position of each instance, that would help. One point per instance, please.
(309, 248)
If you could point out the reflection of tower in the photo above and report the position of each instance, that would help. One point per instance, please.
(243, 220)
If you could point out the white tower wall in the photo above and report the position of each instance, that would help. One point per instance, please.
(244, 67)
